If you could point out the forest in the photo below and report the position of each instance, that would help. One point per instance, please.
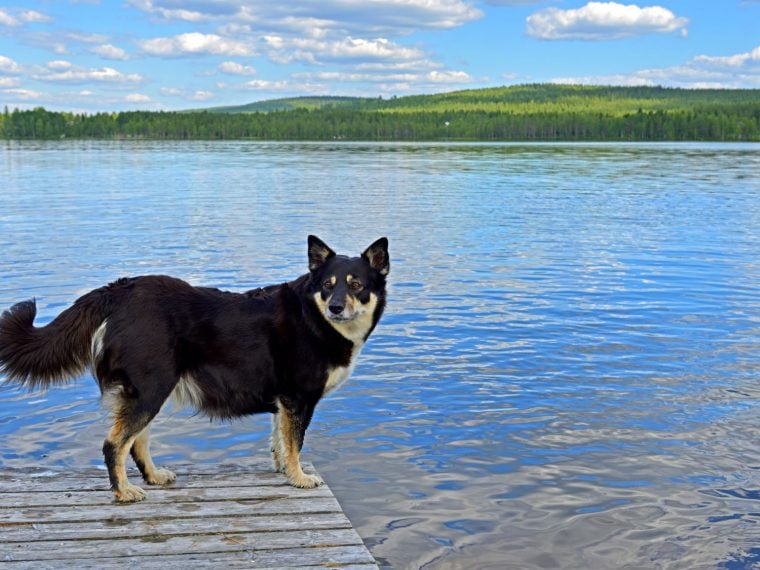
(516, 113)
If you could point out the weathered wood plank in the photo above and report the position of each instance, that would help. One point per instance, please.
(327, 557)
(173, 494)
(109, 529)
(262, 468)
(100, 483)
(229, 515)
(162, 544)
(12, 480)
(168, 510)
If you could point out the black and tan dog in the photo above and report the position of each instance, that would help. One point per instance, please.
(278, 349)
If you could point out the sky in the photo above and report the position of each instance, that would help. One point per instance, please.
(99, 55)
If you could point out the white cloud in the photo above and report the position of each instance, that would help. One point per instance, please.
(59, 65)
(85, 38)
(202, 96)
(7, 65)
(615, 79)
(22, 17)
(512, 2)
(108, 51)
(23, 94)
(431, 77)
(7, 20)
(64, 72)
(347, 50)
(603, 21)
(234, 68)
(9, 82)
(168, 13)
(731, 61)
(346, 16)
(449, 77)
(137, 98)
(195, 43)
(264, 85)
(704, 71)
(33, 16)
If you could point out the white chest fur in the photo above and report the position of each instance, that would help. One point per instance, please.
(337, 376)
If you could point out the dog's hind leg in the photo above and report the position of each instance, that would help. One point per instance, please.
(141, 454)
(116, 447)
(132, 412)
(293, 419)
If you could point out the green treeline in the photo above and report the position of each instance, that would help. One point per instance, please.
(523, 113)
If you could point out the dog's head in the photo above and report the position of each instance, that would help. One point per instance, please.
(349, 291)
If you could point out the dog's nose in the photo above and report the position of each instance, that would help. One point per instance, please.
(336, 309)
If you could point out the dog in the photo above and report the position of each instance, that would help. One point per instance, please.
(276, 349)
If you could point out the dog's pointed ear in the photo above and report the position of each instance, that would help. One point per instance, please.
(377, 256)
(319, 252)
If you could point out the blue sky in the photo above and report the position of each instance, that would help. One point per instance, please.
(91, 55)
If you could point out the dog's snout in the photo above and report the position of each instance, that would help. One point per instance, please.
(336, 308)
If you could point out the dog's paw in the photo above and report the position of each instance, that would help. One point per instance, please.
(161, 477)
(129, 494)
(305, 481)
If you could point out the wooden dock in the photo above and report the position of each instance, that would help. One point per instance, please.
(214, 516)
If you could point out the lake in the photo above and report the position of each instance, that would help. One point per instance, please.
(566, 375)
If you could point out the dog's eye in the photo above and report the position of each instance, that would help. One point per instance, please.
(355, 285)
(328, 284)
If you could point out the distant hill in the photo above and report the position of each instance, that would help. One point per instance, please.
(289, 103)
(521, 99)
(541, 112)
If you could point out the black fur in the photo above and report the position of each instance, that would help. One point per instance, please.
(266, 350)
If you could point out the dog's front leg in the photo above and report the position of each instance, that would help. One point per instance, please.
(292, 421)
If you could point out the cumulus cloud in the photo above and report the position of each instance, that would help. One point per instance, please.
(346, 50)
(234, 68)
(33, 16)
(7, 65)
(348, 16)
(265, 85)
(23, 94)
(195, 43)
(731, 61)
(603, 21)
(202, 95)
(170, 12)
(65, 72)
(108, 51)
(7, 20)
(512, 2)
(137, 98)
(430, 77)
(19, 18)
(9, 82)
(703, 71)
(59, 65)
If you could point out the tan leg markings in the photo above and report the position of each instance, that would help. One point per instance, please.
(123, 490)
(290, 454)
(141, 452)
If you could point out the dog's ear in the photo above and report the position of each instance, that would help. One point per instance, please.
(377, 256)
(319, 252)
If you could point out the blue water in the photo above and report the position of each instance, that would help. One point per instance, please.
(567, 372)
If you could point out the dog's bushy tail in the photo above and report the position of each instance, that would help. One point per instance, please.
(38, 357)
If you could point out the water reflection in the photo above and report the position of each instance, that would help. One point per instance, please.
(567, 373)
